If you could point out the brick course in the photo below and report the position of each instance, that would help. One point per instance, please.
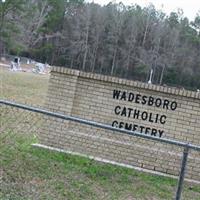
(90, 96)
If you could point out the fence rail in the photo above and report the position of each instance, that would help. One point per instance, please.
(186, 146)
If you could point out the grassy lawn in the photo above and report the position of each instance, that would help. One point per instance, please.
(28, 173)
(23, 87)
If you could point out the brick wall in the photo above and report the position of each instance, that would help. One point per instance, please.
(150, 109)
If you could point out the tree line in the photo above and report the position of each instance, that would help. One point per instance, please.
(116, 40)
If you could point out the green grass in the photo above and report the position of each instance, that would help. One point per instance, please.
(33, 173)
(29, 173)
(23, 87)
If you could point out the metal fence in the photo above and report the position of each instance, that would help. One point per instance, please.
(26, 123)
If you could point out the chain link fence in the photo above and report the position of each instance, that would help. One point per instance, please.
(27, 172)
(31, 173)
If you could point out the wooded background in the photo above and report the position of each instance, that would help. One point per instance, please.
(117, 40)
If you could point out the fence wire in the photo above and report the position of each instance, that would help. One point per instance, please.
(32, 173)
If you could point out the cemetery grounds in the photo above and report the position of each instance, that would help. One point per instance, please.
(28, 173)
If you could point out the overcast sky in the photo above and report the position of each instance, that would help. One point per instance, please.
(190, 7)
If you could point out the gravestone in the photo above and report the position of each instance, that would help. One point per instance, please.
(15, 65)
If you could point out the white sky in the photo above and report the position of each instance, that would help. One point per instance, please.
(189, 7)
